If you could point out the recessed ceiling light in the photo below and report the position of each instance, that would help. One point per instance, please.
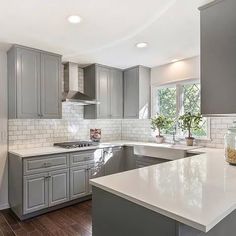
(141, 45)
(74, 19)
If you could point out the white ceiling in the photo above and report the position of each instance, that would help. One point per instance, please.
(109, 29)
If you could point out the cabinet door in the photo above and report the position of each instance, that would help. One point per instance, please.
(116, 91)
(28, 82)
(50, 86)
(218, 55)
(58, 187)
(78, 181)
(113, 161)
(103, 92)
(131, 93)
(35, 193)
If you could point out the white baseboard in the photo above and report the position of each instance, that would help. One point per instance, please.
(4, 206)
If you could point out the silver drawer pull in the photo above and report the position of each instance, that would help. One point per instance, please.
(47, 164)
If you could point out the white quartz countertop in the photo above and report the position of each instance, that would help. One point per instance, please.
(198, 191)
(30, 152)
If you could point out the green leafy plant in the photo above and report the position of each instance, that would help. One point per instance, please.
(190, 122)
(160, 123)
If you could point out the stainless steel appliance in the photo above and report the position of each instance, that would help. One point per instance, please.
(75, 144)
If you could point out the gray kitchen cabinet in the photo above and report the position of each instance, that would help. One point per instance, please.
(78, 181)
(33, 84)
(24, 94)
(143, 161)
(130, 162)
(218, 56)
(103, 92)
(105, 84)
(114, 160)
(85, 166)
(58, 187)
(35, 194)
(137, 93)
(116, 90)
(50, 98)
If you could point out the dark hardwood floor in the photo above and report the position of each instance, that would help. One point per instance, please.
(72, 220)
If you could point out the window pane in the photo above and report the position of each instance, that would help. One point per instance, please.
(167, 101)
(191, 103)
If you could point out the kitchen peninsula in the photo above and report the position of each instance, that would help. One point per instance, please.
(194, 196)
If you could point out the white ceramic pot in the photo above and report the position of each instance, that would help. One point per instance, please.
(160, 139)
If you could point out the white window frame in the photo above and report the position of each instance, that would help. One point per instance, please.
(179, 102)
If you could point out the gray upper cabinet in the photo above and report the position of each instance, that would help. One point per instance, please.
(27, 98)
(34, 84)
(218, 57)
(137, 93)
(103, 92)
(50, 86)
(105, 84)
(131, 93)
(116, 90)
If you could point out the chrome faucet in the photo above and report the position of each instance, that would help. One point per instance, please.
(174, 134)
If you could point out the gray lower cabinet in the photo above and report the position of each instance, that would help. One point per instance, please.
(78, 181)
(143, 161)
(39, 184)
(34, 84)
(58, 187)
(35, 194)
(45, 190)
(114, 160)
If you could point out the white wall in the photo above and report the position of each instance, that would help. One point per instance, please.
(177, 71)
(3, 131)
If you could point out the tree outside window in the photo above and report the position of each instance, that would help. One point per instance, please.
(174, 100)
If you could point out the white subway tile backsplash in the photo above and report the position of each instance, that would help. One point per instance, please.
(29, 133)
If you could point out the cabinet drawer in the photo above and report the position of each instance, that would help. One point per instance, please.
(45, 163)
(82, 158)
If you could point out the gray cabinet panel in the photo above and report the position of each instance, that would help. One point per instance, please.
(114, 161)
(137, 93)
(58, 187)
(78, 181)
(28, 79)
(116, 93)
(82, 158)
(34, 83)
(103, 93)
(105, 84)
(50, 86)
(46, 163)
(142, 161)
(218, 55)
(131, 93)
(35, 194)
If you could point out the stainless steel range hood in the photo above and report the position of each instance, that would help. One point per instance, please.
(71, 86)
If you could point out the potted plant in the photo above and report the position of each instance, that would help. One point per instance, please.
(159, 123)
(190, 122)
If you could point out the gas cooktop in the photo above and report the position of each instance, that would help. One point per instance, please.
(75, 144)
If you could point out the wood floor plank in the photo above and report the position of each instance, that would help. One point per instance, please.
(74, 220)
(5, 228)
